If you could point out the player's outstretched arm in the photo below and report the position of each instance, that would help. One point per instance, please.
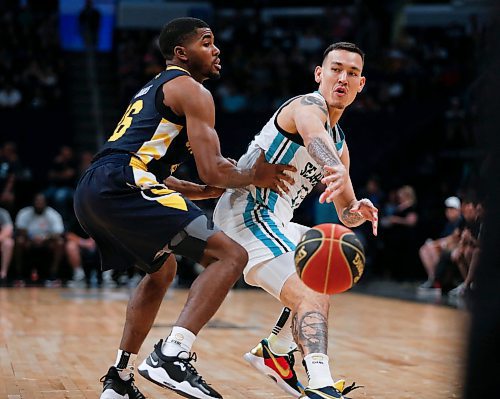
(351, 211)
(192, 190)
(310, 116)
(196, 103)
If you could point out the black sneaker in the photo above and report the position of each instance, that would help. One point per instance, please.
(113, 387)
(176, 373)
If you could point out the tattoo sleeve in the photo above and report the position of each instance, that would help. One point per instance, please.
(310, 332)
(351, 219)
(319, 150)
(311, 100)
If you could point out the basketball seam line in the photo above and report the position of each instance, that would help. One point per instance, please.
(335, 239)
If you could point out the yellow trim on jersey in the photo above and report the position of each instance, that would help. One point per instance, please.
(158, 145)
(167, 197)
(174, 201)
(170, 67)
(137, 163)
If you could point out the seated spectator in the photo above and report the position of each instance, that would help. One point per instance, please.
(431, 250)
(62, 175)
(466, 255)
(83, 257)
(6, 244)
(10, 170)
(39, 228)
(467, 231)
(399, 235)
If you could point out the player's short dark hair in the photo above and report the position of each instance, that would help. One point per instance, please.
(176, 32)
(344, 46)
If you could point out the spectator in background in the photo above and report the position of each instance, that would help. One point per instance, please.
(466, 255)
(6, 244)
(39, 228)
(446, 273)
(11, 169)
(431, 250)
(400, 235)
(83, 257)
(90, 21)
(62, 180)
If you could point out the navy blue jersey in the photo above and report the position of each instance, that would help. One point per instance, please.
(151, 131)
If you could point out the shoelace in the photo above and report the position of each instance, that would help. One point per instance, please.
(291, 356)
(129, 381)
(192, 357)
(350, 388)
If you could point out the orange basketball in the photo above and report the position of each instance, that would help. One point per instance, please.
(329, 258)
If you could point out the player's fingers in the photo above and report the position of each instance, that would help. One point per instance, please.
(330, 178)
(334, 194)
(322, 198)
(291, 168)
(375, 226)
(283, 186)
(289, 179)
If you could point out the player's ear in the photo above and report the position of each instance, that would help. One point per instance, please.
(317, 74)
(180, 53)
(362, 82)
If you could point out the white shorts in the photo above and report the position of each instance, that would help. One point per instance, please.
(260, 232)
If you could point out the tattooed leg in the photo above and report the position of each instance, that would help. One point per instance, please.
(310, 331)
(309, 315)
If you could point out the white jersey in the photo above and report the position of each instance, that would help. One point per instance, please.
(259, 219)
(281, 147)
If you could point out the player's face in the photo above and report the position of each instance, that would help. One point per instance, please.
(340, 78)
(203, 56)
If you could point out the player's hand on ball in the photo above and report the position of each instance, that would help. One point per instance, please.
(365, 208)
(335, 181)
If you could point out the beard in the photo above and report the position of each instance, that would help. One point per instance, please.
(214, 75)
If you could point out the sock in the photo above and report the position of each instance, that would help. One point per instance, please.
(125, 364)
(78, 273)
(318, 370)
(180, 339)
(281, 338)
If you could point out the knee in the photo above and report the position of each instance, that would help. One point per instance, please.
(8, 243)
(237, 258)
(71, 247)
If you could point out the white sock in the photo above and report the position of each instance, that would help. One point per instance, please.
(180, 339)
(318, 370)
(78, 273)
(125, 364)
(281, 340)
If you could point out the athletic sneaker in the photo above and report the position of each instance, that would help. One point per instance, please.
(277, 367)
(176, 373)
(113, 387)
(323, 393)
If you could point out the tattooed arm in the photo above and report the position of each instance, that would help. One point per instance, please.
(310, 116)
(353, 212)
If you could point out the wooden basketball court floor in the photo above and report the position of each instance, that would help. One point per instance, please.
(57, 343)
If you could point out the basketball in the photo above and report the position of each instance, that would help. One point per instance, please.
(329, 258)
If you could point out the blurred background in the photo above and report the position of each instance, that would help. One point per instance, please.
(68, 69)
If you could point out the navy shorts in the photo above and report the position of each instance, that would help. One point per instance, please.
(135, 226)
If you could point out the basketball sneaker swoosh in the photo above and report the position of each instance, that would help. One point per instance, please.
(284, 372)
(153, 361)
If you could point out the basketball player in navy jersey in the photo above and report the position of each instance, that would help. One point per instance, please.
(139, 215)
(304, 133)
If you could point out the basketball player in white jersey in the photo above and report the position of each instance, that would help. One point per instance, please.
(303, 132)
